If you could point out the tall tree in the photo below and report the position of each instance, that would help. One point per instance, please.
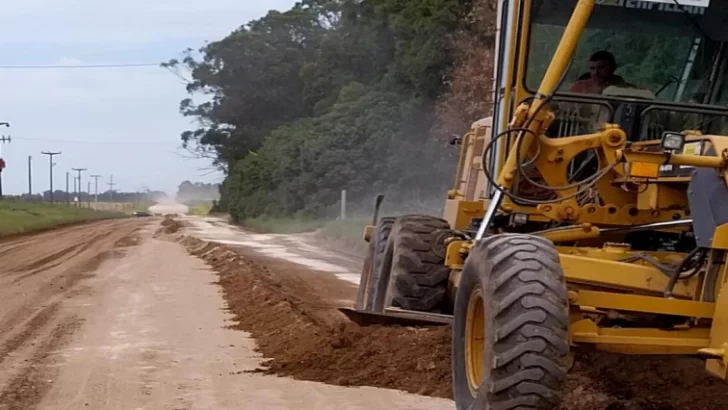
(330, 95)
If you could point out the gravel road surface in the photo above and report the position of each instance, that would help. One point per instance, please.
(106, 316)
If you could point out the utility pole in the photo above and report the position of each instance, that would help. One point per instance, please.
(75, 191)
(111, 189)
(3, 140)
(30, 178)
(50, 158)
(96, 187)
(68, 194)
(80, 187)
(88, 197)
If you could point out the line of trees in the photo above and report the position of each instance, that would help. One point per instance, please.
(361, 95)
(126, 197)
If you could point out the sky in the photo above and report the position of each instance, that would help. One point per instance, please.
(123, 122)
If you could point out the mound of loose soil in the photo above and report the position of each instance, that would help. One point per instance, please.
(169, 226)
(301, 334)
(312, 341)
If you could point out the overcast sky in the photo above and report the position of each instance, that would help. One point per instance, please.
(120, 121)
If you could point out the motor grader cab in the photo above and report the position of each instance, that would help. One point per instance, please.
(602, 219)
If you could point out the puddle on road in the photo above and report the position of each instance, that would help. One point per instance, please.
(286, 247)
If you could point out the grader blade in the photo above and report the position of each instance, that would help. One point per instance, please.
(394, 316)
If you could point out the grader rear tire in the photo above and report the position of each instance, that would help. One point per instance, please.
(510, 327)
(412, 274)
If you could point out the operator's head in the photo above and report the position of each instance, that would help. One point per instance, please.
(602, 65)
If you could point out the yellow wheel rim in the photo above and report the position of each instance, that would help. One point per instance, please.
(475, 340)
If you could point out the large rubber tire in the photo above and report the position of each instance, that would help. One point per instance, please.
(512, 289)
(380, 236)
(413, 275)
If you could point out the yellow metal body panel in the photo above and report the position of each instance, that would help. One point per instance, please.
(719, 329)
(466, 142)
(662, 196)
(659, 158)
(624, 276)
(647, 304)
(460, 213)
(640, 340)
(601, 268)
(575, 233)
(455, 254)
(720, 239)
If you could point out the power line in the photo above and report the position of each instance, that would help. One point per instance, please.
(93, 142)
(53, 67)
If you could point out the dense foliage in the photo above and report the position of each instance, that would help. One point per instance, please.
(332, 95)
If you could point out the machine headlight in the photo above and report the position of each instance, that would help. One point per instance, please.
(672, 141)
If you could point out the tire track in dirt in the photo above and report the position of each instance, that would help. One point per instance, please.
(27, 388)
(38, 321)
(38, 274)
(59, 275)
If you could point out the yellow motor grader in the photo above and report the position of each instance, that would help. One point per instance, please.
(590, 209)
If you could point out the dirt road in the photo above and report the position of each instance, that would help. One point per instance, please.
(44, 281)
(105, 316)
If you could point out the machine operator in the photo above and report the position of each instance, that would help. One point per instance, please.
(602, 66)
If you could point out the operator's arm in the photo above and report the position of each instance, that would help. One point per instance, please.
(583, 87)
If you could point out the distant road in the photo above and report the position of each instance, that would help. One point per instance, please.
(169, 208)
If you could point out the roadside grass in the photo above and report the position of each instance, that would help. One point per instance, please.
(18, 217)
(200, 209)
(346, 235)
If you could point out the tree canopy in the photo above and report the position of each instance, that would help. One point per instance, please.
(332, 95)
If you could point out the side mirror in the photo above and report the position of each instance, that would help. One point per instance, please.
(456, 140)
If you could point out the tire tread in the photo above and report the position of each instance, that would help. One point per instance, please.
(531, 318)
(419, 275)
